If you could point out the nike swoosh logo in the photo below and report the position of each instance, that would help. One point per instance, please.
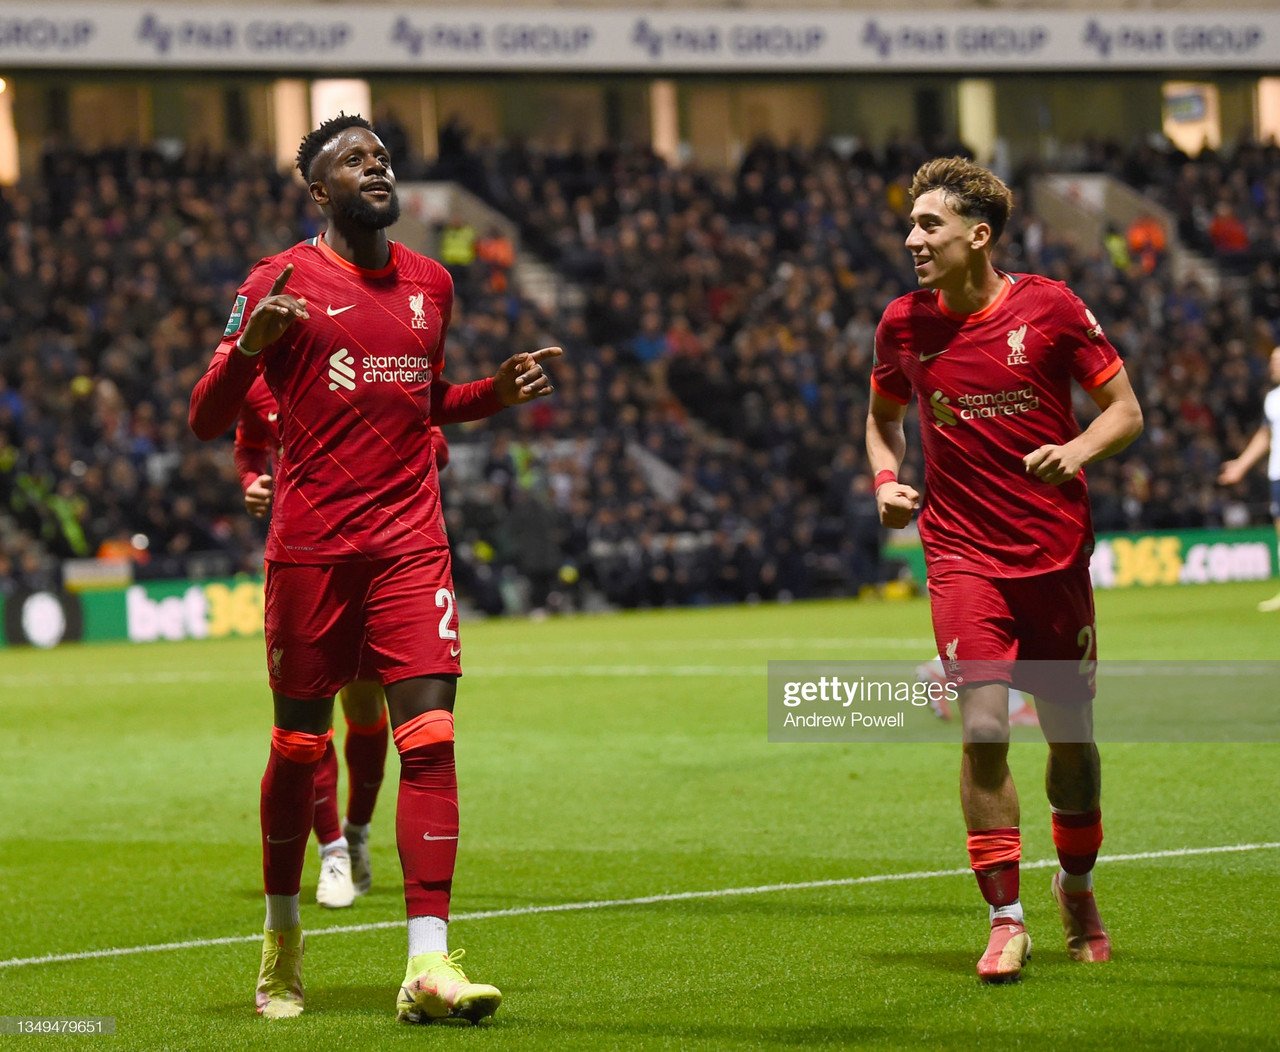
(334, 312)
(428, 836)
(926, 357)
(286, 840)
(455, 651)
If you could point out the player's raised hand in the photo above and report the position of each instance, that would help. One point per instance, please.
(1053, 464)
(257, 498)
(897, 503)
(273, 315)
(521, 378)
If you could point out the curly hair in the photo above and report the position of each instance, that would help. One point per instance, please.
(313, 142)
(971, 190)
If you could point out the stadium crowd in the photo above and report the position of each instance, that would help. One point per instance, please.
(705, 442)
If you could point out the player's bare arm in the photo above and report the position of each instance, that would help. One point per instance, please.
(273, 315)
(1119, 423)
(886, 447)
(520, 378)
(1259, 445)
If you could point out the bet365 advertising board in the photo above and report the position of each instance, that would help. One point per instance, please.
(152, 612)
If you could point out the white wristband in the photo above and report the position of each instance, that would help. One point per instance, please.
(248, 354)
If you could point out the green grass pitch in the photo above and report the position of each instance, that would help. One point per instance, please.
(624, 757)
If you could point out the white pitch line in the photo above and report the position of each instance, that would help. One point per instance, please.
(474, 672)
(644, 900)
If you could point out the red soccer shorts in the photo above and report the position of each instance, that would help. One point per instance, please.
(388, 619)
(1035, 633)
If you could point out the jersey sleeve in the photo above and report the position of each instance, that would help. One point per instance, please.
(219, 394)
(1094, 360)
(457, 403)
(256, 436)
(887, 377)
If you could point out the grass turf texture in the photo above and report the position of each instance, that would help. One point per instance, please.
(618, 757)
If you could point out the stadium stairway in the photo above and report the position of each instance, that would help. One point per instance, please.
(427, 206)
(1079, 208)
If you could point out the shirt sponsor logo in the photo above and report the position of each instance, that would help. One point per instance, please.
(341, 373)
(378, 369)
(982, 406)
(1017, 354)
(943, 414)
(396, 369)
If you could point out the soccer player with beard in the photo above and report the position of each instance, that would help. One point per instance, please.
(345, 867)
(348, 329)
(1005, 525)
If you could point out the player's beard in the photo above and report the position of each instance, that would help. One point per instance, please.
(360, 211)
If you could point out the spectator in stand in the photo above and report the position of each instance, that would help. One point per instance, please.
(496, 255)
(1227, 232)
(1147, 243)
(458, 249)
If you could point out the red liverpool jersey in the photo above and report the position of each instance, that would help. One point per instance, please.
(258, 435)
(992, 387)
(358, 386)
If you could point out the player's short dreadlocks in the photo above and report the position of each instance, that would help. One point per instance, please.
(313, 142)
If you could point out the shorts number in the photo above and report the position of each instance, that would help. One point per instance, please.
(444, 598)
(1088, 664)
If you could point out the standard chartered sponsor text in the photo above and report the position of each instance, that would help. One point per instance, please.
(401, 368)
(998, 403)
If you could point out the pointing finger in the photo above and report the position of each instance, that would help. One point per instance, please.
(281, 280)
(546, 352)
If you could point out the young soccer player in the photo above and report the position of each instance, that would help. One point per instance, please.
(350, 329)
(1005, 523)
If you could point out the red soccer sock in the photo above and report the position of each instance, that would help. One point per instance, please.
(288, 804)
(994, 855)
(327, 827)
(427, 812)
(366, 753)
(1077, 836)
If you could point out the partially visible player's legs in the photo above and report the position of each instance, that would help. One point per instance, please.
(1270, 606)
(365, 708)
(1073, 782)
(298, 742)
(334, 889)
(435, 986)
(1022, 712)
(990, 803)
